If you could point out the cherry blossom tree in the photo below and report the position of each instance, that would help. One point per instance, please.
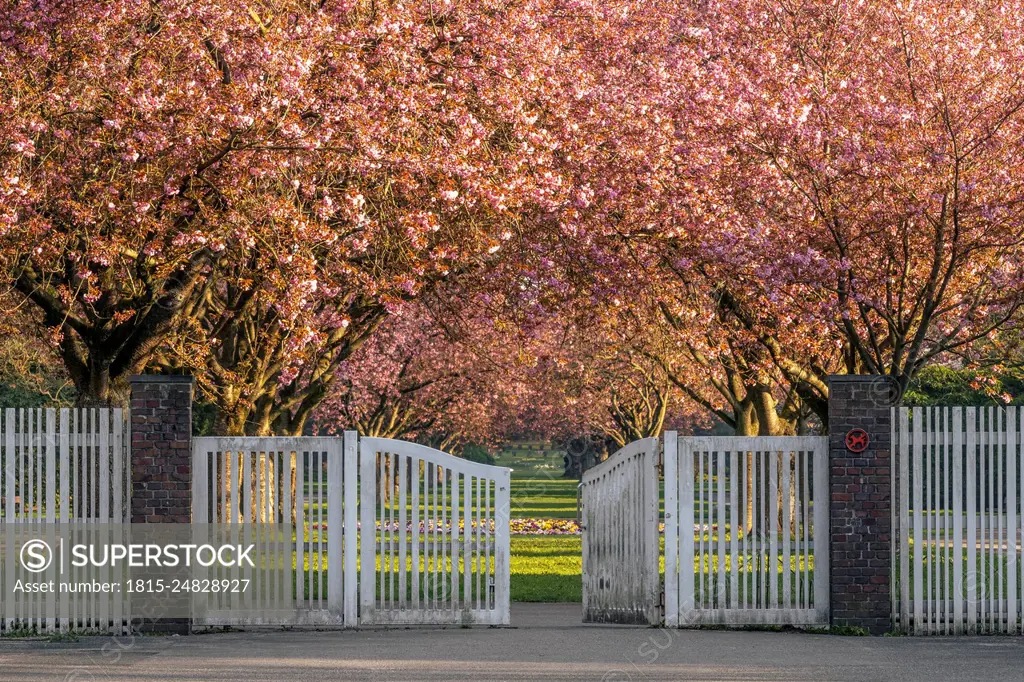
(293, 170)
(146, 141)
(867, 203)
(818, 188)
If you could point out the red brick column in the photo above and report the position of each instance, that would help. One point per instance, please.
(161, 414)
(861, 514)
(161, 419)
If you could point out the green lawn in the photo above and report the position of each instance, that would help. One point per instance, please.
(544, 568)
(547, 568)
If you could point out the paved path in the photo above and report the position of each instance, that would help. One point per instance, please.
(548, 644)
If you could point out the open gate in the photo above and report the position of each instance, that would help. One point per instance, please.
(441, 554)
(618, 510)
(379, 531)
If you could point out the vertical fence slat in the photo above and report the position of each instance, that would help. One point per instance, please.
(958, 521)
(686, 532)
(433, 568)
(950, 514)
(282, 517)
(283, 465)
(919, 531)
(417, 554)
(28, 485)
(393, 543)
(672, 529)
(402, 529)
(200, 495)
(699, 595)
(336, 568)
(756, 516)
(367, 533)
(821, 526)
(453, 537)
(351, 529)
(1012, 497)
(478, 555)
(721, 527)
(49, 438)
(904, 518)
(502, 557)
(943, 539)
(709, 510)
(650, 513)
(1019, 459)
(64, 512)
(267, 505)
(928, 476)
(786, 601)
(773, 528)
(50, 441)
(734, 530)
(104, 507)
(467, 538)
(10, 459)
(984, 433)
(447, 515)
(971, 579)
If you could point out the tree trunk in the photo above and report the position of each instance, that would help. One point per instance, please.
(99, 389)
(746, 425)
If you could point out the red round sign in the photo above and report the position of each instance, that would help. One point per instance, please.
(857, 440)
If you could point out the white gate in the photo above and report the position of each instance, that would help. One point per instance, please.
(959, 481)
(248, 480)
(67, 466)
(442, 548)
(619, 518)
(746, 530)
(385, 531)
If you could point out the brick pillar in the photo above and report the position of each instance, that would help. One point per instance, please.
(861, 516)
(161, 449)
(161, 414)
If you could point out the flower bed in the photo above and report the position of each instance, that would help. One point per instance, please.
(516, 527)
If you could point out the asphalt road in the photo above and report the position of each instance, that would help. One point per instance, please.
(548, 644)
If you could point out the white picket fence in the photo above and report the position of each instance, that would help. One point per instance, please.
(416, 565)
(957, 520)
(62, 466)
(746, 531)
(389, 532)
(619, 515)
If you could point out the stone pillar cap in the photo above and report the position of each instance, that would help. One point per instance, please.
(161, 379)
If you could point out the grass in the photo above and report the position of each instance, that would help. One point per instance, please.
(547, 568)
(22, 632)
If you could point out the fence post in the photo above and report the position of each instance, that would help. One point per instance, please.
(351, 526)
(860, 549)
(161, 461)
